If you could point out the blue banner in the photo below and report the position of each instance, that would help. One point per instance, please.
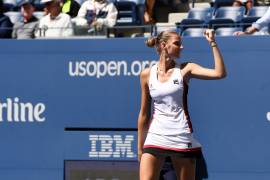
(49, 86)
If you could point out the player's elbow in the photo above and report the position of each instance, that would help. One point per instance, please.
(221, 75)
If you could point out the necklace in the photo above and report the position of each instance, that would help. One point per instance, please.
(159, 69)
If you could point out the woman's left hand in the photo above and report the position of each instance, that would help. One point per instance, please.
(209, 34)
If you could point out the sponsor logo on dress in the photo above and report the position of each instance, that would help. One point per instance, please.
(175, 81)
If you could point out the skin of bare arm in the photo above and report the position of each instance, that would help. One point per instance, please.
(218, 72)
(144, 114)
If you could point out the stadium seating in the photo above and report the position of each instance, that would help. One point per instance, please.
(139, 8)
(127, 14)
(129, 20)
(254, 14)
(227, 17)
(193, 32)
(159, 27)
(204, 14)
(197, 17)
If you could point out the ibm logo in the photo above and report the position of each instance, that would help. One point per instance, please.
(115, 146)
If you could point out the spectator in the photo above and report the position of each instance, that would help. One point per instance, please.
(5, 23)
(245, 3)
(97, 14)
(27, 27)
(148, 12)
(55, 24)
(258, 25)
(158, 10)
(70, 7)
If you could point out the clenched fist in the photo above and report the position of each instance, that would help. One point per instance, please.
(209, 34)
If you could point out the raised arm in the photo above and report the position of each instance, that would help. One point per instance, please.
(218, 72)
(143, 119)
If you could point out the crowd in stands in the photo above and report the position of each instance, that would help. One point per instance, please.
(58, 18)
(227, 17)
(28, 19)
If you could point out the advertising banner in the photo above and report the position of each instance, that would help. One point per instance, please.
(63, 102)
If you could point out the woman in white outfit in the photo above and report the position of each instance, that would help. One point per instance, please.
(165, 86)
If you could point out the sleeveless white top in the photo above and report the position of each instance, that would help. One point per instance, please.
(170, 113)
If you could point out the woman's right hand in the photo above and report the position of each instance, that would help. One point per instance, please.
(209, 34)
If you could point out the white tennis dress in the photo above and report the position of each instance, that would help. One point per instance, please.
(170, 127)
